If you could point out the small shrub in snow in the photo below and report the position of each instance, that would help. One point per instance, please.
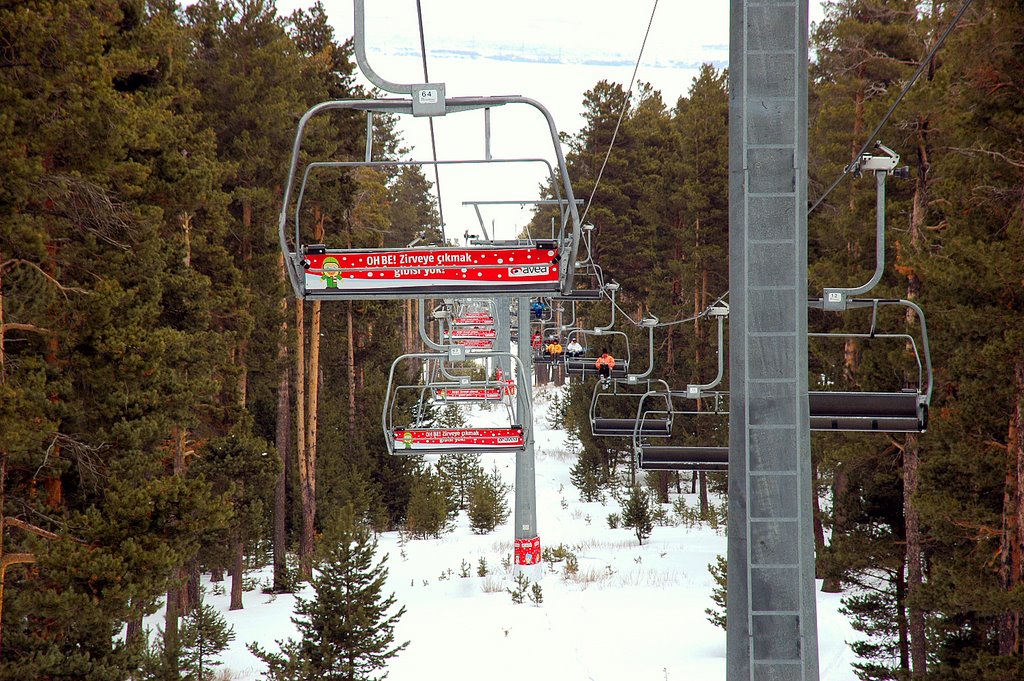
(614, 520)
(481, 567)
(718, 570)
(464, 571)
(536, 594)
(518, 590)
(637, 513)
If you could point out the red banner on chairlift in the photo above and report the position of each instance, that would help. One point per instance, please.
(380, 270)
(459, 334)
(478, 344)
(474, 319)
(456, 394)
(422, 439)
(527, 551)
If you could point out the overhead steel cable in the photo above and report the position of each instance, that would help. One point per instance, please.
(430, 120)
(622, 113)
(885, 119)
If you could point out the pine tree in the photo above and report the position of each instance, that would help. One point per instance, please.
(637, 513)
(204, 634)
(586, 476)
(458, 470)
(427, 515)
(719, 572)
(488, 502)
(347, 628)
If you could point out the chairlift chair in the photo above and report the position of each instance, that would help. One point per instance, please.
(900, 411)
(587, 365)
(405, 435)
(679, 457)
(319, 271)
(606, 407)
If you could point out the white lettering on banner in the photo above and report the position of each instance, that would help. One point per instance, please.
(381, 260)
(529, 271)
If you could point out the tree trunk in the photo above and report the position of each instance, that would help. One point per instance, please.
(312, 412)
(282, 441)
(133, 632)
(3, 327)
(705, 508)
(237, 572)
(915, 576)
(819, 529)
(351, 371)
(840, 485)
(305, 549)
(171, 614)
(901, 622)
(663, 486)
(1012, 538)
(189, 595)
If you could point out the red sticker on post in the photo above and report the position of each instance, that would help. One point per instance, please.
(527, 551)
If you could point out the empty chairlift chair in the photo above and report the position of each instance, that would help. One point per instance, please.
(899, 411)
(406, 433)
(680, 457)
(613, 412)
(323, 271)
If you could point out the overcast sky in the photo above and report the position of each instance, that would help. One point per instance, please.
(551, 51)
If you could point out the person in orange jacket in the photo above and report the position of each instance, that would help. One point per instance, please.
(605, 363)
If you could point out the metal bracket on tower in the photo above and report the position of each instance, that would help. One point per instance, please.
(837, 299)
(695, 391)
(428, 99)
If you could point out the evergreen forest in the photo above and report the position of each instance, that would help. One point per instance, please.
(168, 409)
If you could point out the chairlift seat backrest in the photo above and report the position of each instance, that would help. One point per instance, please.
(651, 427)
(901, 412)
(678, 458)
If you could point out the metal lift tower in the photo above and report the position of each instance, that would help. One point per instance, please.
(772, 621)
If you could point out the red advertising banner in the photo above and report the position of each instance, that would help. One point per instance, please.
(527, 551)
(474, 343)
(455, 394)
(426, 439)
(473, 319)
(380, 270)
(456, 334)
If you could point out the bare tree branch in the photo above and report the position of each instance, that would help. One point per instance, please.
(15, 262)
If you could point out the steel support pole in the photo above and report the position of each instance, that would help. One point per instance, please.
(527, 540)
(503, 327)
(772, 632)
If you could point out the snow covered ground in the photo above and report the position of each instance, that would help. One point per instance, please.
(631, 612)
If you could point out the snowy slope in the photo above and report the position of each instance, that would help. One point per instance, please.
(631, 612)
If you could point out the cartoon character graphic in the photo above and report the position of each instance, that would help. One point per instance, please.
(407, 439)
(330, 272)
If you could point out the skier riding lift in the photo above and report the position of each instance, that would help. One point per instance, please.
(605, 363)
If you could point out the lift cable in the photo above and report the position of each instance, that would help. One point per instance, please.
(622, 112)
(871, 138)
(700, 315)
(430, 120)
